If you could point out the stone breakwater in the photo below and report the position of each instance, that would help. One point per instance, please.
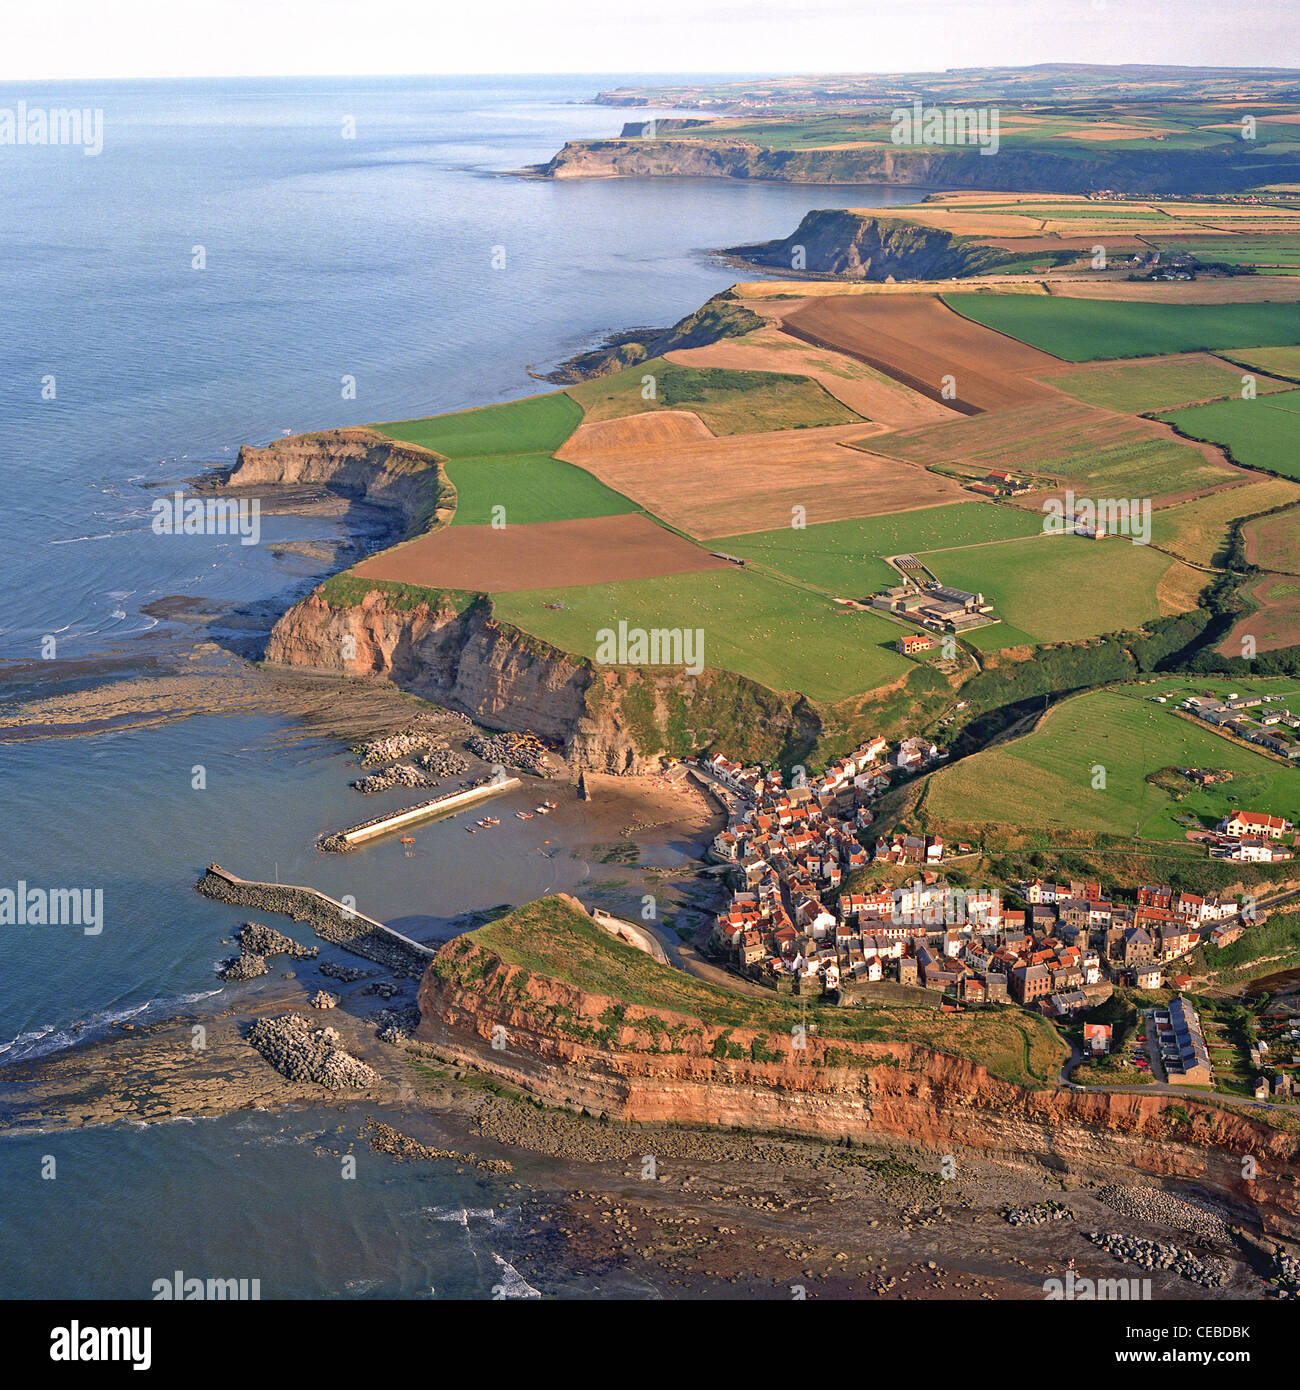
(330, 924)
(303, 1053)
(1150, 1254)
(384, 1139)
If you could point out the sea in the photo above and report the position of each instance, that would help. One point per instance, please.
(245, 259)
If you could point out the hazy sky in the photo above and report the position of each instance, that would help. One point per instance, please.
(186, 38)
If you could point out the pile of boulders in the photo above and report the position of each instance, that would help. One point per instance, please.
(396, 1025)
(344, 974)
(257, 941)
(1153, 1255)
(245, 966)
(443, 762)
(385, 989)
(261, 940)
(1037, 1215)
(523, 751)
(303, 1053)
(322, 999)
(390, 748)
(1162, 1208)
(426, 771)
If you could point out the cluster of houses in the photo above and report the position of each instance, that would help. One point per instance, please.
(792, 847)
(790, 924)
(1254, 837)
(1258, 719)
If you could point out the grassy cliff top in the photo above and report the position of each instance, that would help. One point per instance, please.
(555, 940)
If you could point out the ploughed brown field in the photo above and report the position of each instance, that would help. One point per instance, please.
(918, 340)
(860, 387)
(547, 554)
(1275, 624)
(752, 482)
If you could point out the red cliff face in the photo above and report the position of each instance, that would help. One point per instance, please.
(577, 1050)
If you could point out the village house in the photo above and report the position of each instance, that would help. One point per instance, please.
(1256, 824)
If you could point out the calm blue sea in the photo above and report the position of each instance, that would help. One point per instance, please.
(324, 257)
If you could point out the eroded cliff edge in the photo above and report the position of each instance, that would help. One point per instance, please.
(607, 719)
(578, 1048)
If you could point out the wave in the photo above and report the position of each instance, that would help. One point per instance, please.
(50, 1037)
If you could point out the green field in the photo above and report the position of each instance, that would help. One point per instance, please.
(1057, 588)
(842, 557)
(1261, 433)
(1137, 387)
(779, 635)
(1247, 249)
(728, 402)
(1086, 330)
(1044, 781)
(501, 456)
(534, 425)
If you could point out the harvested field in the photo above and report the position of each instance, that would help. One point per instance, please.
(1114, 455)
(1253, 289)
(873, 395)
(1281, 361)
(593, 550)
(918, 340)
(655, 427)
(1198, 531)
(1276, 621)
(1273, 542)
(752, 482)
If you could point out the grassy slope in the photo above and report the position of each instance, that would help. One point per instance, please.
(1085, 330)
(770, 631)
(1044, 780)
(552, 939)
(500, 456)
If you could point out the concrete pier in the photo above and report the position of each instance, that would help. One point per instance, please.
(361, 834)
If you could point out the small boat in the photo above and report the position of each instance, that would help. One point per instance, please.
(471, 830)
(408, 839)
(541, 811)
(551, 805)
(524, 815)
(492, 820)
